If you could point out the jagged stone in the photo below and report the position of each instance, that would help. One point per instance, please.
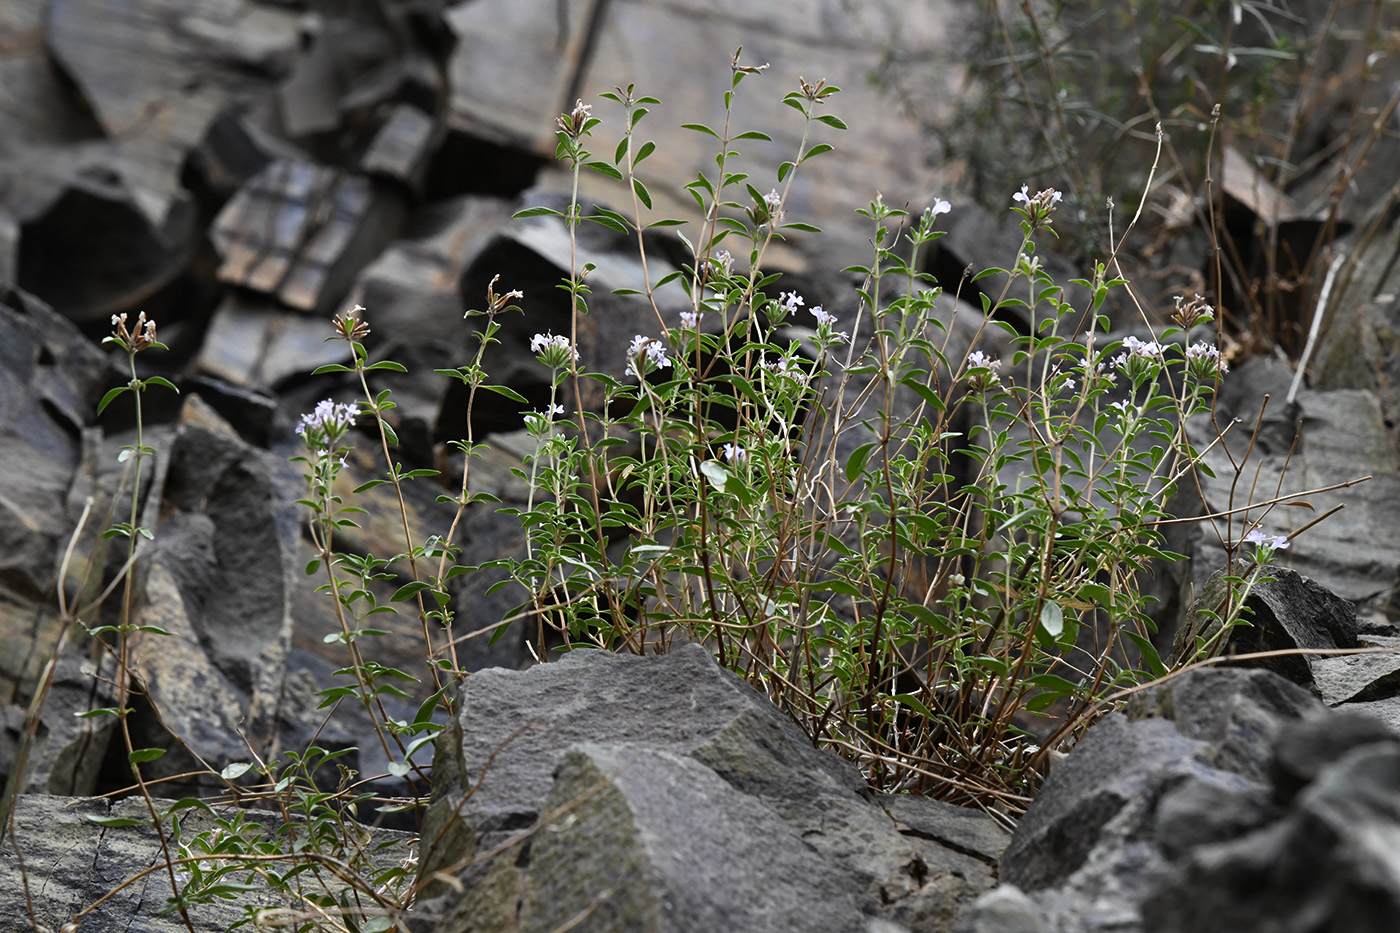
(524, 748)
(71, 862)
(156, 73)
(256, 346)
(299, 232)
(512, 93)
(402, 148)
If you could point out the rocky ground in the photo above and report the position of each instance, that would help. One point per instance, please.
(239, 171)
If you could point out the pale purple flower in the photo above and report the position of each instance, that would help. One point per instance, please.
(821, 316)
(690, 320)
(772, 200)
(734, 453)
(1274, 542)
(791, 302)
(554, 350)
(940, 206)
(1206, 358)
(726, 261)
(647, 350)
(329, 418)
(979, 360)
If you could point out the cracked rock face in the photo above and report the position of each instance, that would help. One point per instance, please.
(665, 794)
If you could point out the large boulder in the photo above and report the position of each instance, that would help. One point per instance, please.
(714, 810)
(1224, 799)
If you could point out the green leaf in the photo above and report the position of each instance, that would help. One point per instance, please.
(153, 629)
(389, 365)
(805, 228)
(408, 589)
(109, 397)
(538, 212)
(162, 381)
(647, 149)
(370, 484)
(816, 150)
(829, 120)
(700, 128)
(138, 755)
(508, 392)
(754, 134)
(312, 566)
(234, 771)
(331, 368)
(642, 194)
(1052, 618)
(855, 464)
(94, 713)
(603, 168)
(783, 171)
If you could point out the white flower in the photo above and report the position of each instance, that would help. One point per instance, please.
(734, 453)
(329, 417)
(646, 350)
(691, 320)
(554, 350)
(1023, 195)
(940, 206)
(979, 360)
(1274, 542)
(822, 317)
(726, 261)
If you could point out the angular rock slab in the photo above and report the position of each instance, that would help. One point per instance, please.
(680, 52)
(678, 769)
(1226, 799)
(299, 231)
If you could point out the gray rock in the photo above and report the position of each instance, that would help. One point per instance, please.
(1004, 909)
(515, 766)
(1331, 863)
(1344, 438)
(70, 862)
(299, 231)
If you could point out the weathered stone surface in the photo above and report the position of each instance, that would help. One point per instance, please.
(156, 72)
(1288, 612)
(93, 252)
(300, 231)
(674, 739)
(1344, 438)
(1222, 800)
(70, 862)
(254, 346)
(216, 580)
(402, 147)
(413, 291)
(679, 52)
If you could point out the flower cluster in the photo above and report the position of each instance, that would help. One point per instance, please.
(826, 328)
(574, 123)
(647, 354)
(1203, 360)
(554, 350)
(1037, 207)
(327, 423)
(726, 261)
(1139, 358)
(1269, 543)
(769, 211)
(790, 302)
(136, 339)
(1190, 313)
(690, 320)
(982, 372)
(350, 325)
(785, 366)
